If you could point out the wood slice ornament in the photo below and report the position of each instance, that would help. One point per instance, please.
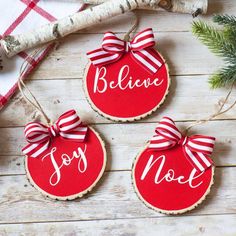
(173, 174)
(126, 81)
(65, 160)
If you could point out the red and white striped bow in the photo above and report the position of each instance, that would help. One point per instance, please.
(39, 136)
(197, 148)
(141, 49)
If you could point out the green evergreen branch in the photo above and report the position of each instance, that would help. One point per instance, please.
(230, 35)
(226, 76)
(222, 42)
(225, 20)
(214, 40)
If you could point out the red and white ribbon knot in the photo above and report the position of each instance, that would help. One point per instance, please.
(141, 49)
(39, 136)
(197, 148)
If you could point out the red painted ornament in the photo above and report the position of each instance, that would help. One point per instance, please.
(69, 166)
(68, 169)
(166, 175)
(167, 182)
(131, 86)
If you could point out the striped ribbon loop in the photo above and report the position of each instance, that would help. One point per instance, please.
(197, 148)
(141, 49)
(39, 136)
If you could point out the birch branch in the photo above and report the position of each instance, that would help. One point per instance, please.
(180, 6)
(13, 44)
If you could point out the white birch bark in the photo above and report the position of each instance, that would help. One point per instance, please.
(14, 44)
(180, 6)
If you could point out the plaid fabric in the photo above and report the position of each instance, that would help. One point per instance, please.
(19, 16)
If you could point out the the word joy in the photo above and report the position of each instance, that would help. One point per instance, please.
(123, 81)
(66, 161)
(169, 176)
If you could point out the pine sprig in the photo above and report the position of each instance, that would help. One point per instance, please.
(229, 23)
(230, 35)
(222, 42)
(214, 39)
(226, 76)
(225, 20)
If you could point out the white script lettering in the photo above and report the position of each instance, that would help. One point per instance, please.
(170, 175)
(124, 81)
(66, 161)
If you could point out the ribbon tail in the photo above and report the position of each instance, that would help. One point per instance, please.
(34, 150)
(148, 59)
(198, 160)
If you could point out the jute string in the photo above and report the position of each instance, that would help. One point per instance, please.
(33, 101)
(219, 112)
(30, 98)
(133, 27)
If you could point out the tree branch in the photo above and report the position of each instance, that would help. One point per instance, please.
(13, 44)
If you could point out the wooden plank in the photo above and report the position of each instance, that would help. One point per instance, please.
(10, 165)
(183, 52)
(185, 101)
(59, 77)
(162, 21)
(216, 225)
(19, 202)
(121, 147)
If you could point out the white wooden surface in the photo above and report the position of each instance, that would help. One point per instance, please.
(113, 208)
